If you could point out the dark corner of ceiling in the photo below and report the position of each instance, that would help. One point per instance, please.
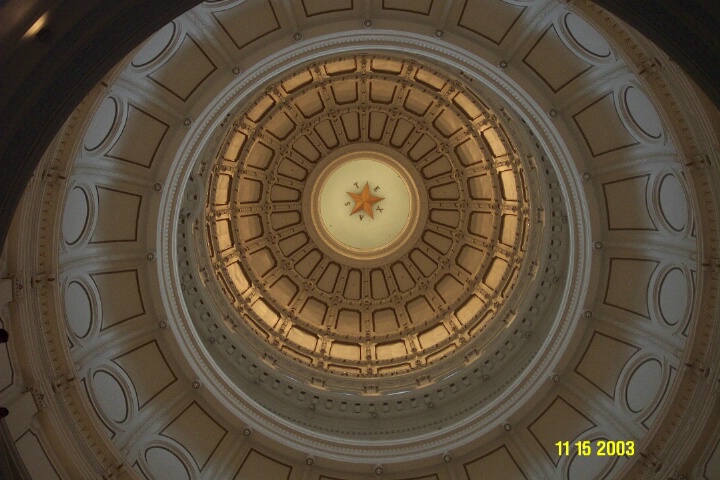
(688, 30)
(11, 466)
(47, 74)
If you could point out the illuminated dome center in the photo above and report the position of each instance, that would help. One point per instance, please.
(364, 204)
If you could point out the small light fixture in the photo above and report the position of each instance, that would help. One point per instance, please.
(36, 27)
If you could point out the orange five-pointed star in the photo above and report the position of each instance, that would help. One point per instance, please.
(364, 200)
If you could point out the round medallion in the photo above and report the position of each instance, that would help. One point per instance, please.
(364, 204)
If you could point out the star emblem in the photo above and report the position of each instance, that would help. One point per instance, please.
(364, 200)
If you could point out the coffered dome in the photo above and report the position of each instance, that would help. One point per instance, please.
(399, 239)
(331, 297)
(366, 285)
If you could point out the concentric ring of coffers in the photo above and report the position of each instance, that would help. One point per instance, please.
(344, 315)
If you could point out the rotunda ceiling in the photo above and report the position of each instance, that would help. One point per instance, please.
(398, 239)
(323, 317)
(367, 285)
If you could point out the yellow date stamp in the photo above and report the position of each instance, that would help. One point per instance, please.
(599, 448)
